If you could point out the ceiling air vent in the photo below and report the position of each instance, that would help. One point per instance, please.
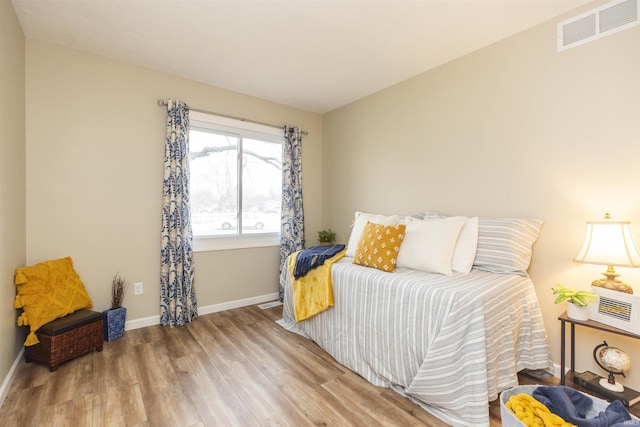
(607, 19)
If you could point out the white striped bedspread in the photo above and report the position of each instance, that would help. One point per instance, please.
(450, 343)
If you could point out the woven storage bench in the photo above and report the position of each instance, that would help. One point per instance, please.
(510, 420)
(67, 337)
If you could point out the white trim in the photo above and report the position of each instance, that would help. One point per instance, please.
(221, 243)
(155, 320)
(234, 125)
(11, 375)
(237, 303)
(141, 323)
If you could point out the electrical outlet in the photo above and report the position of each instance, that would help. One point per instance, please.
(138, 288)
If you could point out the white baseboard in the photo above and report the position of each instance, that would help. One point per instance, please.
(155, 320)
(556, 370)
(238, 303)
(141, 323)
(8, 380)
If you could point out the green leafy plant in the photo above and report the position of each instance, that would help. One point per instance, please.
(326, 236)
(579, 298)
(119, 287)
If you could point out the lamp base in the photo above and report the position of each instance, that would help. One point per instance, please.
(614, 285)
(610, 281)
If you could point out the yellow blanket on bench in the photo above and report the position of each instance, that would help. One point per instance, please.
(312, 293)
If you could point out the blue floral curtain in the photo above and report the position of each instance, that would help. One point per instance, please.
(292, 220)
(177, 296)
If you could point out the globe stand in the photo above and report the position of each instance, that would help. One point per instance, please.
(610, 383)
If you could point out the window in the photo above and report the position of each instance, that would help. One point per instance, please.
(236, 182)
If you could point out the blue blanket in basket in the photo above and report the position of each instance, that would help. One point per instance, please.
(572, 406)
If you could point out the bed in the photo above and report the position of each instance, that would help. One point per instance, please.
(451, 343)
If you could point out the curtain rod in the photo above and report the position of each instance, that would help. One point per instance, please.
(163, 103)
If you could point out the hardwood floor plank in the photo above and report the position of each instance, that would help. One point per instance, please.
(75, 412)
(270, 315)
(179, 341)
(170, 408)
(143, 335)
(32, 375)
(215, 401)
(13, 411)
(69, 382)
(114, 370)
(114, 365)
(292, 352)
(220, 348)
(232, 368)
(244, 338)
(412, 409)
(266, 402)
(246, 317)
(312, 400)
(221, 319)
(361, 395)
(154, 371)
(268, 355)
(122, 408)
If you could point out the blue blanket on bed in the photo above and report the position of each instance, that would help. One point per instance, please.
(572, 406)
(313, 257)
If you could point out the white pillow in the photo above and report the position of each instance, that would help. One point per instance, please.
(428, 244)
(465, 251)
(360, 221)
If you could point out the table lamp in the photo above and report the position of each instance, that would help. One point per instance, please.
(609, 243)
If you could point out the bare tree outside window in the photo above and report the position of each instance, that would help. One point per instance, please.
(236, 183)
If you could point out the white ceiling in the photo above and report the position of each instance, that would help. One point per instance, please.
(316, 55)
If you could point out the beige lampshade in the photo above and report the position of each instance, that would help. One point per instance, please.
(609, 243)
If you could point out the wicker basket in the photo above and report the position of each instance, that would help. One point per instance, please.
(65, 338)
(510, 420)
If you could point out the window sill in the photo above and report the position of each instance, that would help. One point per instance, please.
(222, 243)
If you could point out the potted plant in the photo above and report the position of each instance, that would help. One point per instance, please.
(578, 301)
(326, 236)
(115, 317)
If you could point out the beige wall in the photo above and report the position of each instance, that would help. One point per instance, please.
(515, 129)
(95, 142)
(12, 181)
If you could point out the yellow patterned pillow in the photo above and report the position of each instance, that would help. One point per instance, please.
(379, 246)
(47, 291)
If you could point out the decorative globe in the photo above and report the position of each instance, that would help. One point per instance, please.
(613, 359)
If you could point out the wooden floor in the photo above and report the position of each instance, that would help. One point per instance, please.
(233, 368)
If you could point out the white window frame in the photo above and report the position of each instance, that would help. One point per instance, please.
(201, 120)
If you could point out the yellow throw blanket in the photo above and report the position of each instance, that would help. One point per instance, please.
(312, 293)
